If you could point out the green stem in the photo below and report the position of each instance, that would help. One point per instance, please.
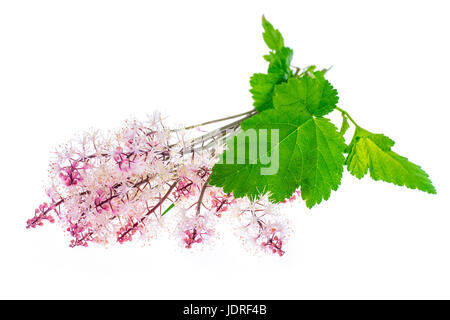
(348, 116)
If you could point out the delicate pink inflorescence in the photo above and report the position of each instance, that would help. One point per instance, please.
(40, 214)
(146, 178)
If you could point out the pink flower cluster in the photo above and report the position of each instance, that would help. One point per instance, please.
(262, 224)
(145, 178)
(40, 214)
(192, 236)
(80, 234)
(126, 232)
(124, 160)
(71, 175)
(274, 243)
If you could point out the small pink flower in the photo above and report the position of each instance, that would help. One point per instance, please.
(192, 236)
(294, 197)
(101, 204)
(126, 233)
(41, 214)
(80, 233)
(71, 174)
(221, 201)
(123, 160)
(185, 188)
(274, 243)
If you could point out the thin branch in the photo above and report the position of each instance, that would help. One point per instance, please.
(217, 120)
(202, 193)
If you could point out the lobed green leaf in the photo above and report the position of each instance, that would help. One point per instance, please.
(310, 156)
(372, 153)
(314, 95)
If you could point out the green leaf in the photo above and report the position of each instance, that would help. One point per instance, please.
(310, 156)
(262, 85)
(315, 95)
(372, 152)
(345, 125)
(280, 58)
(168, 209)
(262, 89)
(272, 37)
(280, 61)
(320, 74)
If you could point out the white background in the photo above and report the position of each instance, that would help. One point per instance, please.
(67, 66)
